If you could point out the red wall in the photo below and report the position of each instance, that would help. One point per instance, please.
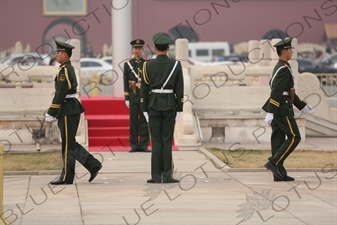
(240, 21)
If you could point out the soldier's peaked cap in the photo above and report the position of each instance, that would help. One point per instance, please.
(62, 46)
(137, 43)
(161, 38)
(285, 43)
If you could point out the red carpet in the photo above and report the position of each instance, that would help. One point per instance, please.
(108, 124)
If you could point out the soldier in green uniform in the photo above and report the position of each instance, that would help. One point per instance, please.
(132, 81)
(67, 109)
(280, 115)
(161, 98)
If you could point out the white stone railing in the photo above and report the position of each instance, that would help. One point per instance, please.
(22, 109)
(230, 97)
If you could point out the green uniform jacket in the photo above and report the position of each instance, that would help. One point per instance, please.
(65, 83)
(128, 76)
(155, 73)
(281, 81)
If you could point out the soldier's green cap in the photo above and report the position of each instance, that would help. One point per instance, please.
(161, 38)
(285, 43)
(62, 46)
(137, 43)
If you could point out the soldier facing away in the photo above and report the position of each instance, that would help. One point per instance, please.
(280, 114)
(161, 98)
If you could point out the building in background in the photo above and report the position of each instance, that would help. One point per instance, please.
(38, 23)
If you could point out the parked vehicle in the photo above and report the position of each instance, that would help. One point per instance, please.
(329, 60)
(205, 51)
(107, 59)
(308, 65)
(26, 59)
(102, 69)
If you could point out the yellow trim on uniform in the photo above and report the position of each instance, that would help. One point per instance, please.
(145, 76)
(55, 106)
(272, 101)
(292, 141)
(66, 148)
(67, 78)
(126, 93)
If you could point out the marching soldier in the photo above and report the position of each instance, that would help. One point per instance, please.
(280, 114)
(161, 98)
(132, 82)
(67, 109)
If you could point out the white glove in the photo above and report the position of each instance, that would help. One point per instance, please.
(127, 103)
(146, 115)
(269, 118)
(177, 116)
(308, 109)
(49, 118)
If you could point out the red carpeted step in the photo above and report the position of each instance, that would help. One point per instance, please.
(108, 124)
(107, 120)
(110, 148)
(108, 131)
(109, 141)
(104, 105)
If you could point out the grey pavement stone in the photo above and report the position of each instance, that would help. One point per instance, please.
(206, 195)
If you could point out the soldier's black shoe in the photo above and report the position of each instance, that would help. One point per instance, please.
(285, 178)
(274, 169)
(151, 181)
(94, 172)
(171, 181)
(144, 150)
(58, 182)
(133, 150)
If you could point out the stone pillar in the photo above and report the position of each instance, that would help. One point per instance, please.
(253, 52)
(293, 62)
(274, 57)
(265, 52)
(121, 36)
(181, 54)
(2, 220)
(181, 51)
(75, 60)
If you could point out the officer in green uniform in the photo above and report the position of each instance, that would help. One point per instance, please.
(161, 98)
(67, 110)
(132, 81)
(280, 114)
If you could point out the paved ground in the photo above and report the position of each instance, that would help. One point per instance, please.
(209, 193)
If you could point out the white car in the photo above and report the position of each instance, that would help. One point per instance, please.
(107, 59)
(98, 67)
(26, 59)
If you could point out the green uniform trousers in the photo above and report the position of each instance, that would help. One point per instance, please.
(282, 127)
(138, 125)
(71, 150)
(162, 129)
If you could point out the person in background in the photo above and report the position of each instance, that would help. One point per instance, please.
(132, 81)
